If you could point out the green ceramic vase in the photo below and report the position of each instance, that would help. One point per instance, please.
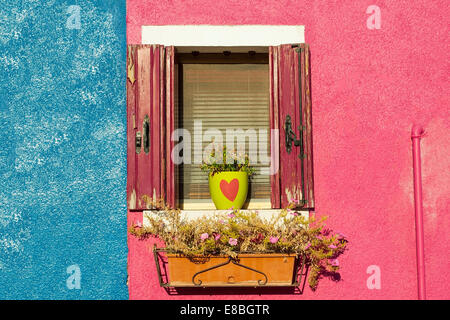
(228, 189)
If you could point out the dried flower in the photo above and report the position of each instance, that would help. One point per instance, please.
(273, 239)
(258, 239)
(217, 236)
(232, 241)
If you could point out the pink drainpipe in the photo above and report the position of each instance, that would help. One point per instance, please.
(417, 133)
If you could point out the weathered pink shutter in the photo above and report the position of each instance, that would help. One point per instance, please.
(291, 101)
(146, 125)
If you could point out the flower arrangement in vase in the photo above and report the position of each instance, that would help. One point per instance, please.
(228, 175)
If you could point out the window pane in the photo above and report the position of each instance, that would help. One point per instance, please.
(226, 96)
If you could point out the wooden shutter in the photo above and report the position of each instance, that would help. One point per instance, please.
(291, 113)
(148, 122)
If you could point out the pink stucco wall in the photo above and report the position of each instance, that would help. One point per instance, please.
(368, 88)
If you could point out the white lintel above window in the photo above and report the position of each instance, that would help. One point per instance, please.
(222, 36)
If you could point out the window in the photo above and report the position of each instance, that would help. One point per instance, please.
(267, 91)
(220, 97)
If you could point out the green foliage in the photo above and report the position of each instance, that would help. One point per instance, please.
(238, 231)
(227, 161)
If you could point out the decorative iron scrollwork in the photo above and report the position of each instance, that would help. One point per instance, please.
(198, 282)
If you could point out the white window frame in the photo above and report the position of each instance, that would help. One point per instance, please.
(218, 38)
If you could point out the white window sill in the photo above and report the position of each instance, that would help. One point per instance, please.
(208, 205)
(193, 214)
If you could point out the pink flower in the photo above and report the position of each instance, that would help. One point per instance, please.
(295, 201)
(319, 237)
(231, 215)
(332, 246)
(232, 241)
(293, 213)
(204, 236)
(138, 224)
(273, 239)
(308, 245)
(217, 237)
(222, 221)
(334, 262)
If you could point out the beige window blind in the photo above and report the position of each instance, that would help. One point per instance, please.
(224, 96)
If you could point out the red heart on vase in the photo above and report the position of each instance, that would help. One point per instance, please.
(230, 190)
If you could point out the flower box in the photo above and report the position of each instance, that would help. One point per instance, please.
(246, 270)
(242, 249)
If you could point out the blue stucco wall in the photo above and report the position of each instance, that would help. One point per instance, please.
(63, 149)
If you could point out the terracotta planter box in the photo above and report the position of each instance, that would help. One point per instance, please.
(247, 270)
